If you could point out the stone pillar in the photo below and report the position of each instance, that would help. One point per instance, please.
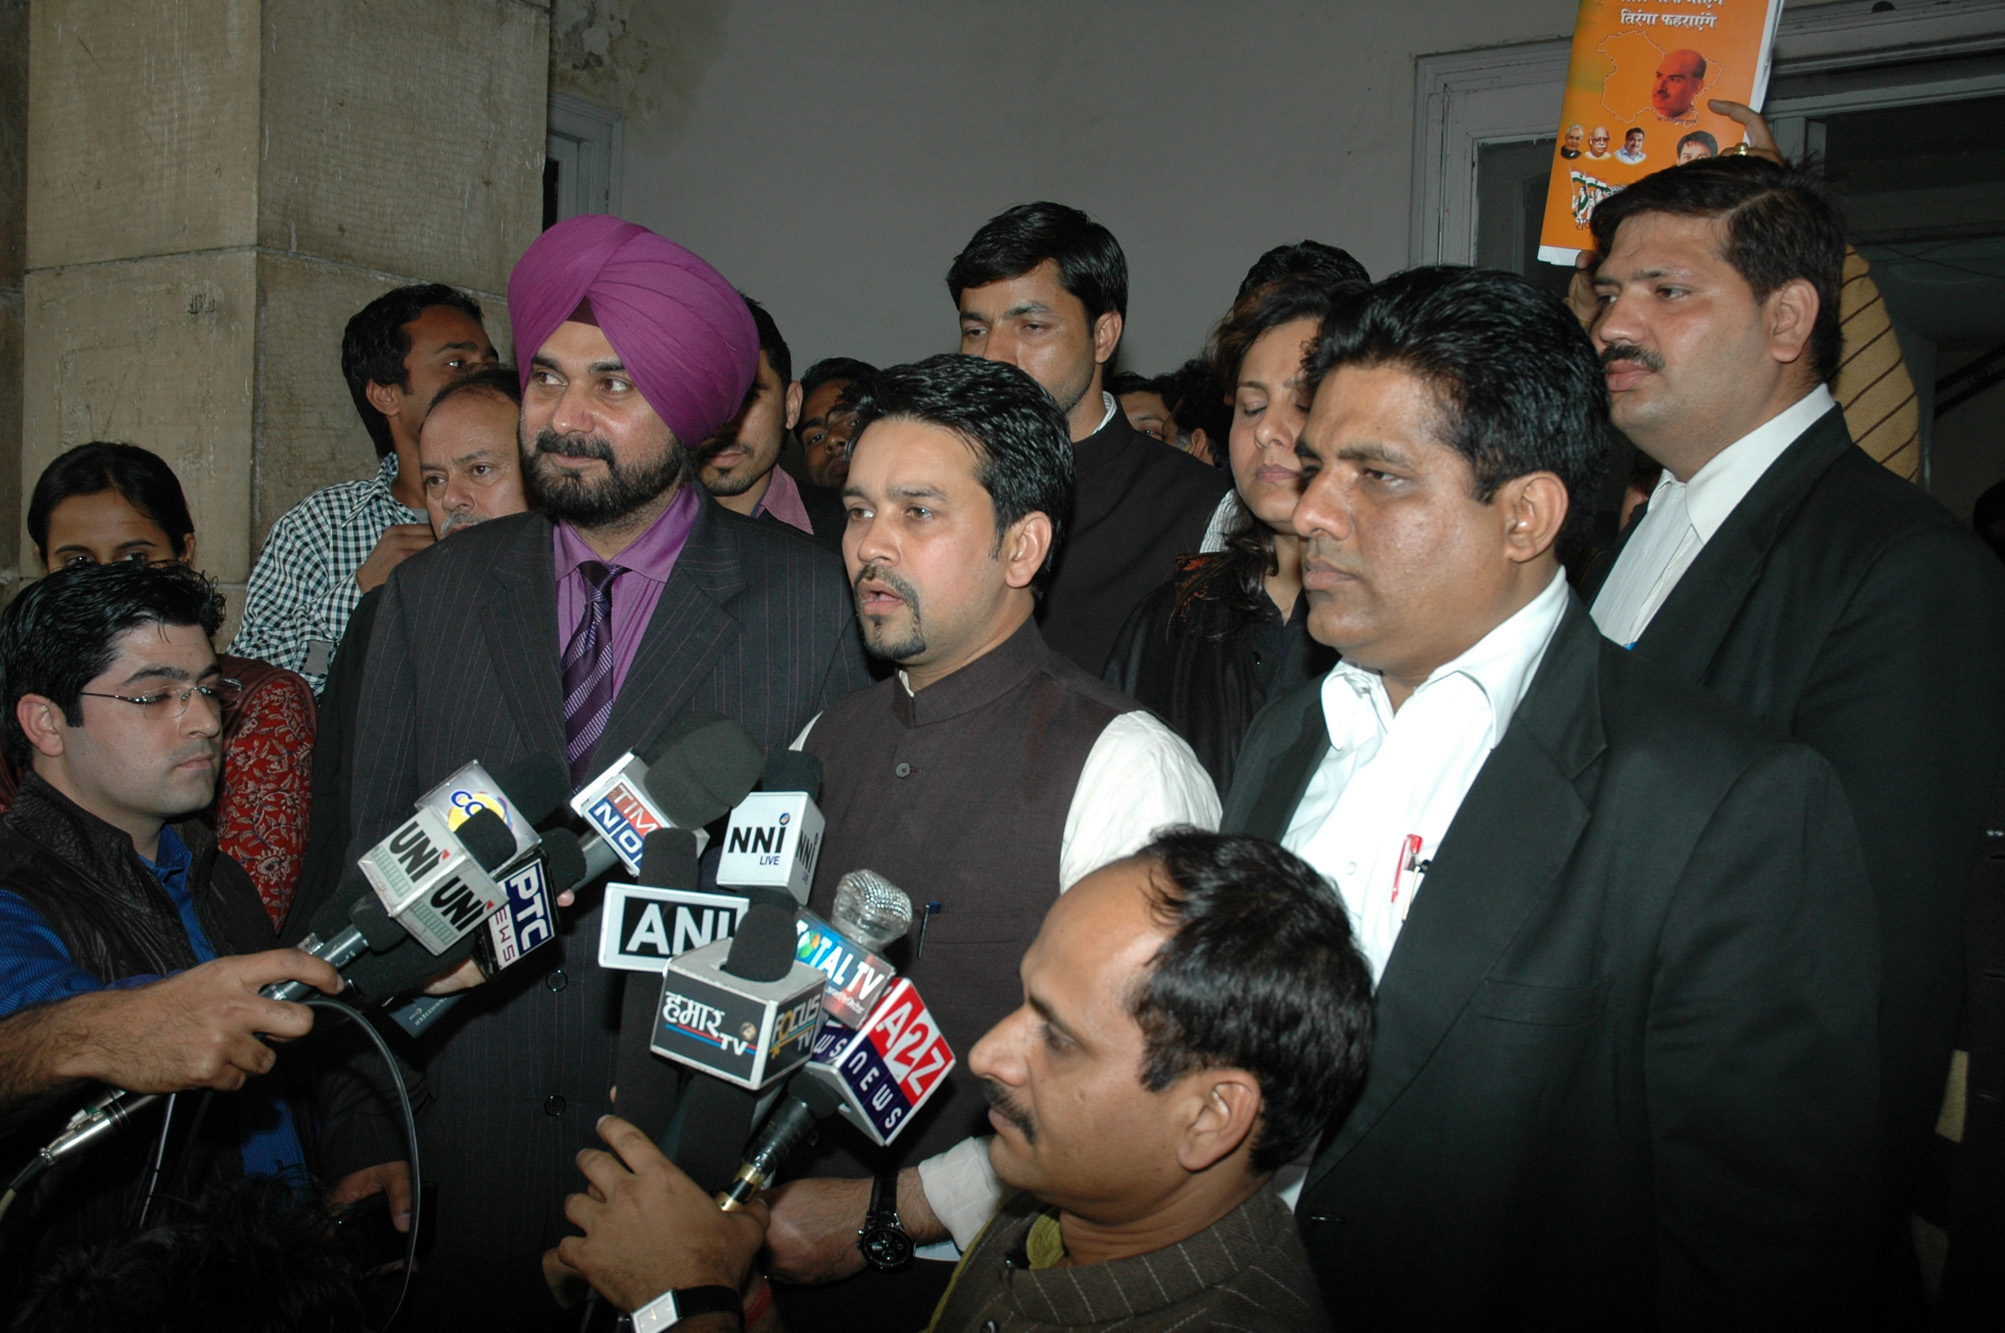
(215, 186)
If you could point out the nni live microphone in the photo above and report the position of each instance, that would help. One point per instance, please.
(775, 834)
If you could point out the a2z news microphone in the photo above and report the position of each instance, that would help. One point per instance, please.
(698, 768)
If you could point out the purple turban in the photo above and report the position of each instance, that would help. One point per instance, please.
(684, 334)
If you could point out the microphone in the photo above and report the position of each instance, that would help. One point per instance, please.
(696, 770)
(746, 1009)
(775, 834)
(646, 924)
(647, 1086)
(869, 912)
(528, 916)
(806, 1104)
(427, 875)
(883, 1072)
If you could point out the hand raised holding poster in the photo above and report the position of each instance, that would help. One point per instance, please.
(1643, 90)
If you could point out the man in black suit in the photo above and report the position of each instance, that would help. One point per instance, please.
(1625, 949)
(1045, 288)
(584, 629)
(1782, 569)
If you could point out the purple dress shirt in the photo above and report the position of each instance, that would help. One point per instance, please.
(649, 559)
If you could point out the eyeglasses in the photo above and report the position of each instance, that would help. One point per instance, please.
(224, 694)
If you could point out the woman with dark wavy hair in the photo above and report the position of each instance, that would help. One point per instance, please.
(1208, 649)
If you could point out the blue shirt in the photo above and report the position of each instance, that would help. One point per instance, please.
(36, 968)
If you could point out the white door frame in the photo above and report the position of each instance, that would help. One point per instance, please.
(590, 140)
(1503, 94)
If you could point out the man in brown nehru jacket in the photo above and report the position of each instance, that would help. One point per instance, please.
(987, 775)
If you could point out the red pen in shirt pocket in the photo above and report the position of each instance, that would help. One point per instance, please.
(1406, 874)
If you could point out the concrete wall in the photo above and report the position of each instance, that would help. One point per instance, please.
(215, 186)
(831, 159)
(13, 255)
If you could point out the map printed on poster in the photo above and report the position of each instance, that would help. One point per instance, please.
(1637, 85)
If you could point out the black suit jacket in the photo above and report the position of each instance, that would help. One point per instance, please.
(1843, 606)
(755, 622)
(1622, 1067)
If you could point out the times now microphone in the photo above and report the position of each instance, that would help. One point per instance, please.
(744, 1010)
(883, 1072)
(697, 769)
(775, 833)
(868, 914)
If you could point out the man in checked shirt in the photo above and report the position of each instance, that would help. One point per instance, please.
(342, 540)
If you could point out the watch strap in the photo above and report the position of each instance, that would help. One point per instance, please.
(672, 1307)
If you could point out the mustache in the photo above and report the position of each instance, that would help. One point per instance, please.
(1641, 356)
(879, 574)
(1004, 1105)
(548, 441)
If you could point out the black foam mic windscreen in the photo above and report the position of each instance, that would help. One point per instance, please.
(700, 767)
(645, 1085)
(668, 859)
(717, 1119)
(537, 784)
(792, 770)
(487, 839)
(764, 946)
(563, 859)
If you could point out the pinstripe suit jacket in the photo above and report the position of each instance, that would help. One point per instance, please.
(755, 622)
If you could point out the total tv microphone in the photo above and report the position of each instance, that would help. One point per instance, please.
(868, 914)
(696, 770)
(775, 834)
(884, 1071)
(367, 932)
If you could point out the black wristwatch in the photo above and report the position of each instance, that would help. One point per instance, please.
(882, 1237)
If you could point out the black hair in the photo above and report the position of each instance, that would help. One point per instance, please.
(375, 343)
(770, 341)
(1196, 399)
(1238, 576)
(1781, 225)
(858, 374)
(1260, 974)
(1305, 261)
(1022, 445)
(249, 1255)
(62, 630)
(1517, 381)
(1127, 381)
(1703, 140)
(503, 380)
(140, 476)
(1012, 243)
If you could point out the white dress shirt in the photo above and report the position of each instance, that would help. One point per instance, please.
(1684, 515)
(1391, 783)
(1372, 816)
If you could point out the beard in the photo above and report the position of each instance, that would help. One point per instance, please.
(743, 476)
(625, 488)
(878, 638)
(1006, 1106)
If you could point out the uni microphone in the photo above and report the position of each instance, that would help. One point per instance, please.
(775, 834)
(883, 1072)
(696, 770)
(745, 1009)
(366, 929)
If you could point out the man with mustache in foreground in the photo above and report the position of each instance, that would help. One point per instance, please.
(583, 629)
(988, 775)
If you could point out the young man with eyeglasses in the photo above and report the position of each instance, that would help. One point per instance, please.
(131, 950)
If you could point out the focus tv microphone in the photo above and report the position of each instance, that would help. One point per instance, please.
(696, 770)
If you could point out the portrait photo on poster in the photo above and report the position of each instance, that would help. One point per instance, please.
(1637, 87)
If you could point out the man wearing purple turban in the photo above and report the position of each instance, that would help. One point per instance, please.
(583, 630)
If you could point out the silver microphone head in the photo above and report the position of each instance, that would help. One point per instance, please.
(870, 909)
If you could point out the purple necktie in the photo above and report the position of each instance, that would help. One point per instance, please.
(588, 672)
